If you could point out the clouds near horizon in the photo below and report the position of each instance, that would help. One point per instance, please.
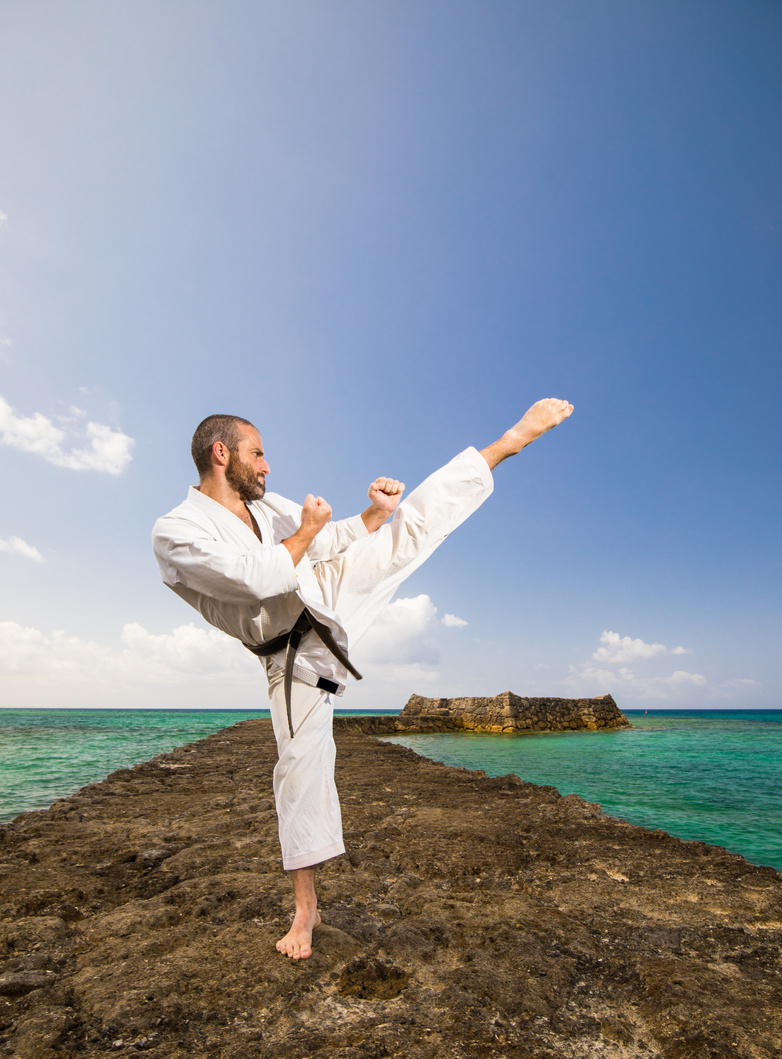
(59, 665)
(617, 651)
(402, 647)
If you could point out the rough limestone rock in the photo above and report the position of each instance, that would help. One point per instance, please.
(503, 713)
(472, 918)
(512, 713)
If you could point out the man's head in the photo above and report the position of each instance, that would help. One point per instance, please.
(233, 445)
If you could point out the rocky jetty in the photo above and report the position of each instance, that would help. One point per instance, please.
(472, 917)
(502, 713)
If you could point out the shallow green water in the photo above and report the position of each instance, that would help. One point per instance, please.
(47, 754)
(714, 776)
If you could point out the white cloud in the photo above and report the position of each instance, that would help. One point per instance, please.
(404, 634)
(17, 546)
(624, 649)
(107, 450)
(144, 658)
(3, 218)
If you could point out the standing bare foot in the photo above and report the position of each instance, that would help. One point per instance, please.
(297, 943)
(543, 416)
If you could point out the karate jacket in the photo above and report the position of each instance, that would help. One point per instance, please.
(247, 588)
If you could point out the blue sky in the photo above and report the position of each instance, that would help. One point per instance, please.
(381, 230)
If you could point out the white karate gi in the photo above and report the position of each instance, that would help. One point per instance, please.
(252, 591)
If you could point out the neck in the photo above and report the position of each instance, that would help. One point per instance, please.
(218, 489)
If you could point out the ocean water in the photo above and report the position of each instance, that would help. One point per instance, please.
(48, 754)
(713, 776)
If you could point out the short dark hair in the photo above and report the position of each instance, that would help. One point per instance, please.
(215, 428)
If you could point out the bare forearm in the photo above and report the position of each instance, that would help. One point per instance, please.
(373, 519)
(298, 544)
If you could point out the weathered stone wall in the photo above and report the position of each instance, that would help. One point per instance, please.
(503, 713)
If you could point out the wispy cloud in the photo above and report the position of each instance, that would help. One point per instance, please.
(106, 450)
(452, 622)
(17, 546)
(618, 649)
(589, 679)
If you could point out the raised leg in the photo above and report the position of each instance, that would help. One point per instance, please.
(541, 417)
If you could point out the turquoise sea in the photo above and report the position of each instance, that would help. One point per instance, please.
(715, 776)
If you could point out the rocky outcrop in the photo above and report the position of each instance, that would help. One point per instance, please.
(503, 713)
(471, 917)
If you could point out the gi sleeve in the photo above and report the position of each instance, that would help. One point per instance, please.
(335, 537)
(190, 557)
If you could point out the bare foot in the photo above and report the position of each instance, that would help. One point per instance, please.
(297, 943)
(543, 416)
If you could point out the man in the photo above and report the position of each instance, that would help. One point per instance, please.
(299, 590)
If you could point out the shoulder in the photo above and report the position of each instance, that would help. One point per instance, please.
(188, 513)
(278, 505)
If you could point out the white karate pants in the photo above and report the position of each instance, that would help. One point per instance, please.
(357, 585)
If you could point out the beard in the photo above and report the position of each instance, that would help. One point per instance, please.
(241, 477)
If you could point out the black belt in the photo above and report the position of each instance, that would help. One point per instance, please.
(290, 641)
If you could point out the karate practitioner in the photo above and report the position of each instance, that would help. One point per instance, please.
(300, 590)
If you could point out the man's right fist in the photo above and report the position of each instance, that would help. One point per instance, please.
(315, 513)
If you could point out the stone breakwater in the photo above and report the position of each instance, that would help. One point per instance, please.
(471, 917)
(502, 713)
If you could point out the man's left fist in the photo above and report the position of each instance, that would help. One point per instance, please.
(385, 494)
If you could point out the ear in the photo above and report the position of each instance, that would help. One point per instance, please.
(220, 454)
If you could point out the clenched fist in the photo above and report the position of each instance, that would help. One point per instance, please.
(314, 514)
(385, 494)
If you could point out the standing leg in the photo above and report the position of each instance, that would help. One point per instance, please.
(308, 813)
